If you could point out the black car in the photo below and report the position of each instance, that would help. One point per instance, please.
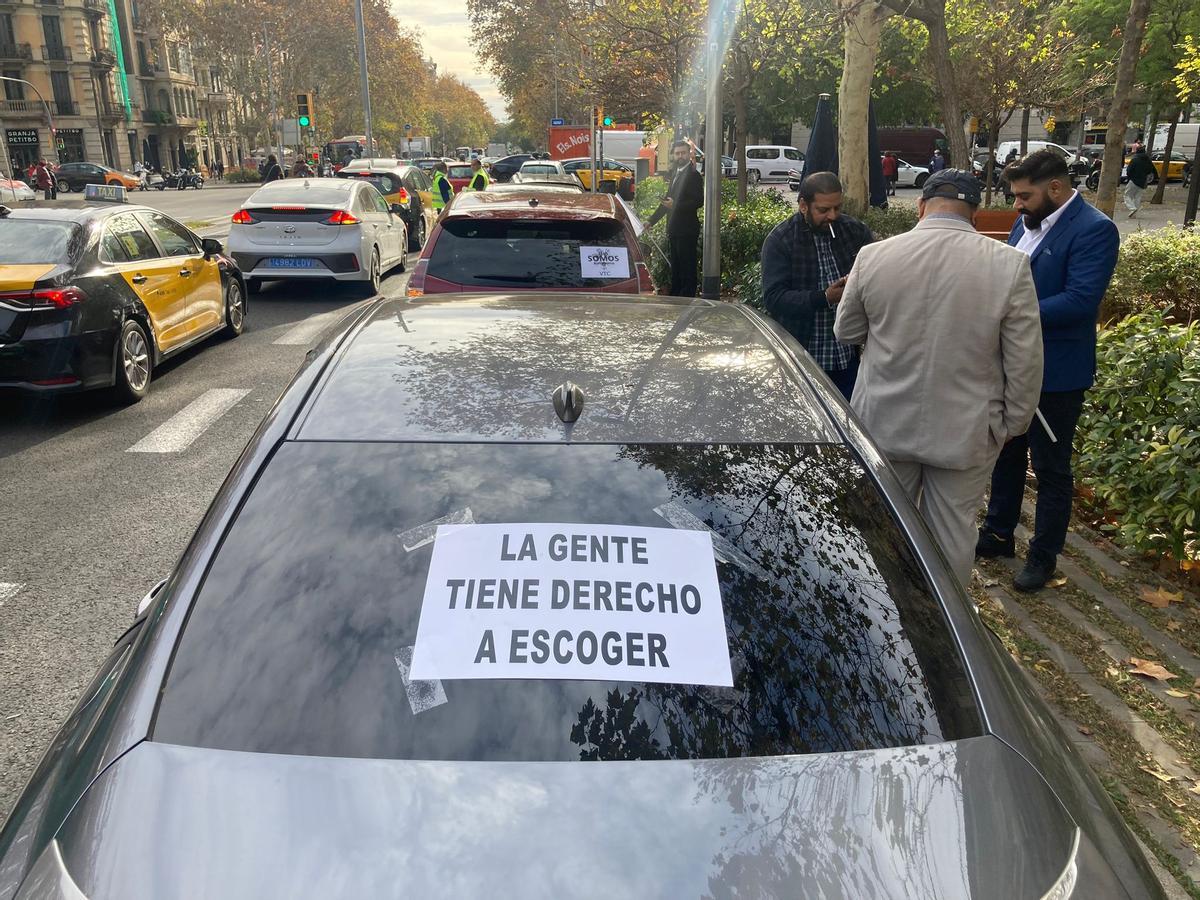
(74, 176)
(562, 596)
(504, 168)
(98, 296)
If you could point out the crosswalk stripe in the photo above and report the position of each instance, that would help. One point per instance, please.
(310, 329)
(8, 590)
(178, 432)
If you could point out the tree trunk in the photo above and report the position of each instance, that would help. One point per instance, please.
(1024, 131)
(989, 167)
(947, 90)
(1162, 179)
(860, 37)
(1118, 113)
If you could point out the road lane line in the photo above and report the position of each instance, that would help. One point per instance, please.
(308, 330)
(8, 590)
(178, 432)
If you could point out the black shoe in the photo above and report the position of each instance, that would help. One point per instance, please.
(991, 545)
(1034, 576)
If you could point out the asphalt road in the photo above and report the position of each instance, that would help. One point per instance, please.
(88, 526)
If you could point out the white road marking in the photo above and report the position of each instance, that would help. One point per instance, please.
(307, 331)
(8, 590)
(178, 432)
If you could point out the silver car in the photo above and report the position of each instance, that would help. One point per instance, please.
(306, 228)
(555, 596)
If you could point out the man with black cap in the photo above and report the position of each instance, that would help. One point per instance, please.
(953, 361)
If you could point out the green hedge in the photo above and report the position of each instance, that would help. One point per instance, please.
(1156, 269)
(242, 176)
(1139, 437)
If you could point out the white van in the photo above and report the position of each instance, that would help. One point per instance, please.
(1006, 147)
(1186, 134)
(772, 162)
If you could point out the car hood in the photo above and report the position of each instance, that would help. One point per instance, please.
(953, 820)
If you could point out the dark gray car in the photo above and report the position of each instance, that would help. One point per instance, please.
(263, 729)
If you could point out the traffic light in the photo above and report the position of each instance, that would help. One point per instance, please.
(316, 156)
(304, 110)
(602, 120)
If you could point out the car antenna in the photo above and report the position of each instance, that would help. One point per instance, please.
(568, 401)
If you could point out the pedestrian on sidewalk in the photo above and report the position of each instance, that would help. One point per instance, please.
(1138, 171)
(805, 261)
(272, 171)
(45, 180)
(953, 358)
(891, 171)
(681, 206)
(1072, 249)
(937, 163)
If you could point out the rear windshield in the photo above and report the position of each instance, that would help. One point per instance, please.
(460, 172)
(520, 253)
(297, 195)
(383, 182)
(304, 636)
(25, 242)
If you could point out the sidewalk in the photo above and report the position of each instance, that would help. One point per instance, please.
(1115, 651)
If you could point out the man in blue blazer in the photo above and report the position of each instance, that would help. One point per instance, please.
(1072, 248)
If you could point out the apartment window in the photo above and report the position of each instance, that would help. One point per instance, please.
(173, 56)
(8, 37)
(13, 90)
(53, 32)
(60, 82)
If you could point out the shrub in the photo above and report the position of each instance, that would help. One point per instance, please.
(896, 219)
(1156, 269)
(1139, 437)
(242, 176)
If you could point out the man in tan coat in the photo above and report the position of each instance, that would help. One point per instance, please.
(953, 361)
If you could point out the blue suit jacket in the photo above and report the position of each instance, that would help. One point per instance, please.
(1071, 269)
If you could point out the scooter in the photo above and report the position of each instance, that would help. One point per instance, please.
(169, 180)
(189, 179)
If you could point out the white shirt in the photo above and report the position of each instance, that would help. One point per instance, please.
(1033, 237)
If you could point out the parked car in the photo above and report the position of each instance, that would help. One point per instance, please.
(427, 164)
(328, 228)
(541, 167)
(907, 176)
(619, 175)
(772, 162)
(507, 166)
(73, 176)
(14, 191)
(401, 184)
(361, 680)
(532, 240)
(1177, 170)
(728, 165)
(99, 297)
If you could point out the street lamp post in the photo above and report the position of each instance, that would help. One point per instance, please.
(362, 74)
(45, 106)
(710, 283)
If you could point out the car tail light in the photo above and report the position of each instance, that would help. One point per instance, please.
(60, 298)
(403, 195)
(341, 217)
(416, 282)
(243, 217)
(645, 282)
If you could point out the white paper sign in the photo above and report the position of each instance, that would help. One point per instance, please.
(561, 601)
(604, 262)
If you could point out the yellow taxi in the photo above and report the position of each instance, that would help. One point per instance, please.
(99, 296)
(618, 173)
(400, 182)
(1175, 168)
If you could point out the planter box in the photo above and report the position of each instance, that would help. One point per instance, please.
(996, 223)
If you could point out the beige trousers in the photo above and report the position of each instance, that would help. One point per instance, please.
(949, 500)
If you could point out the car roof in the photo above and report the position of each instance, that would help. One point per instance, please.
(562, 204)
(377, 164)
(79, 213)
(484, 368)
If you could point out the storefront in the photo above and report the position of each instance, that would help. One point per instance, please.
(70, 145)
(24, 147)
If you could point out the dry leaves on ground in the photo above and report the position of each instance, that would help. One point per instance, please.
(1160, 599)
(1171, 692)
(1150, 669)
(1161, 776)
(1058, 582)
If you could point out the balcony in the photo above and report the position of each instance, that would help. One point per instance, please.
(23, 108)
(157, 117)
(49, 2)
(111, 110)
(65, 107)
(56, 54)
(15, 53)
(103, 58)
(95, 7)
(218, 96)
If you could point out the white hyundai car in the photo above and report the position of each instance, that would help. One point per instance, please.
(305, 228)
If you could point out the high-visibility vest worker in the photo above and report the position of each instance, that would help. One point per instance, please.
(443, 191)
(479, 181)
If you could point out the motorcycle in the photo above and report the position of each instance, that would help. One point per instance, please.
(169, 180)
(190, 179)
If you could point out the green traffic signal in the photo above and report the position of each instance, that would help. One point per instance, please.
(304, 121)
(608, 121)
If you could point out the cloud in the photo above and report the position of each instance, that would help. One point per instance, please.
(444, 34)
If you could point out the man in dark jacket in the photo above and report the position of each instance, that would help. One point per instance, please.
(805, 263)
(273, 171)
(684, 199)
(1139, 171)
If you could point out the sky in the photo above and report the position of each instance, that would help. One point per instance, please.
(444, 29)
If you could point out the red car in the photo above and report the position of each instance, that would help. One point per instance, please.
(532, 240)
(458, 176)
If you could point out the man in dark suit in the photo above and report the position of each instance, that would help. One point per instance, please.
(685, 197)
(1072, 248)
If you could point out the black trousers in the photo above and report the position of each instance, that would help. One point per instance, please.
(1051, 465)
(681, 249)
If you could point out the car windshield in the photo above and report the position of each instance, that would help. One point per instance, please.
(306, 628)
(25, 242)
(521, 253)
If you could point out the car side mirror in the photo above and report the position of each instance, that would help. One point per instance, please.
(396, 209)
(211, 247)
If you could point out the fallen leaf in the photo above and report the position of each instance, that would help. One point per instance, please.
(991, 582)
(1188, 564)
(1195, 788)
(1174, 625)
(1083, 729)
(1150, 669)
(1113, 673)
(1160, 599)
(1057, 582)
(1196, 683)
(1171, 692)
(1161, 776)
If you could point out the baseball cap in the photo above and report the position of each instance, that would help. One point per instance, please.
(954, 184)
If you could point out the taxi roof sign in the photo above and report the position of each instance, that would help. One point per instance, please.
(106, 193)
